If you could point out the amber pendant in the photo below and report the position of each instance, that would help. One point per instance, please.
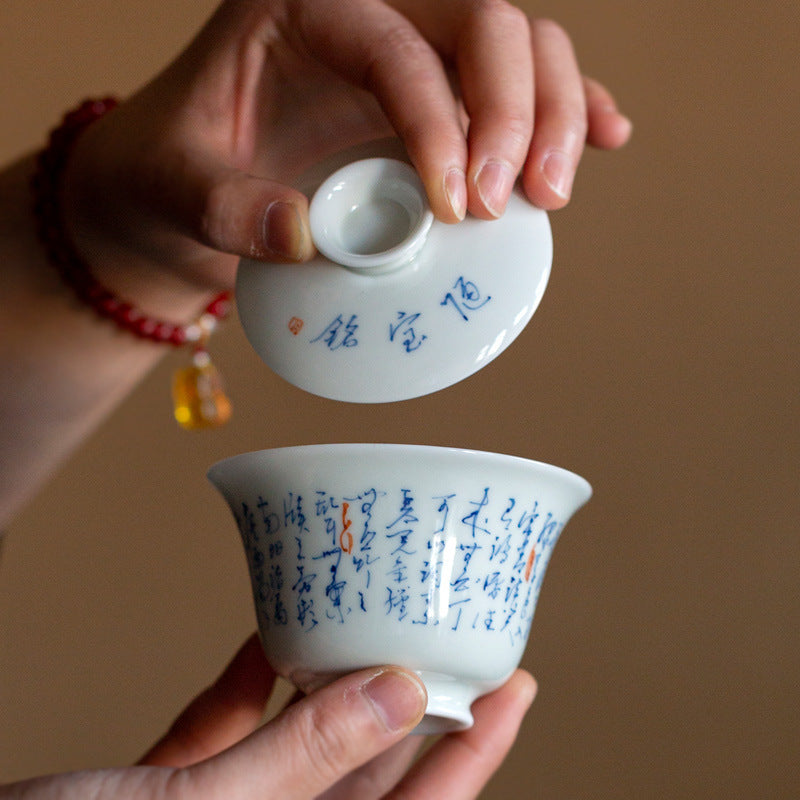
(198, 395)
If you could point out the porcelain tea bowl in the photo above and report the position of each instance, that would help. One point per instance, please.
(427, 558)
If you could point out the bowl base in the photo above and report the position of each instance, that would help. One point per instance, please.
(449, 701)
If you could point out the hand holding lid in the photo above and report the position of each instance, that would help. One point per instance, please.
(396, 304)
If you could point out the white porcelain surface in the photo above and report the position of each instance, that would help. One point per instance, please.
(367, 554)
(371, 215)
(403, 305)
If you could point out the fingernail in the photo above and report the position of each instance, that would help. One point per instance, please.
(557, 172)
(494, 183)
(455, 187)
(284, 232)
(398, 699)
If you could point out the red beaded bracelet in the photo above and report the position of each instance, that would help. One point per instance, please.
(199, 399)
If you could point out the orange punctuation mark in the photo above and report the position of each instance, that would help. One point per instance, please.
(529, 565)
(345, 537)
(296, 325)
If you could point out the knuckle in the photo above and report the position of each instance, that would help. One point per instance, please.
(174, 783)
(399, 44)
(498, 16)
(579, 129)
(214, 222)
(498, 11)
(550, 29)
(573, 122)
(517, 16)
(517, 129)
(413, 132)
(567, 115)
(324, 743)
(512, 17)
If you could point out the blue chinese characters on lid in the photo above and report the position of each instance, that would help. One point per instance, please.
(396, 304)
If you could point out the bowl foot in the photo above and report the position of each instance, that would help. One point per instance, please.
(449, 701)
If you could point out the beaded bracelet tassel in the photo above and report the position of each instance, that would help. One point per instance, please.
(198, 395)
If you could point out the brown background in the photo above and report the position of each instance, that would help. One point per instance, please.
(662, 365)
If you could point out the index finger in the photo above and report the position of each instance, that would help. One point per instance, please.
(377, 48)
(460, 764)
(488, 43)
(495, 69)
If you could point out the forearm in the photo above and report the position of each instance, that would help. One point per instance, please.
(63, 367)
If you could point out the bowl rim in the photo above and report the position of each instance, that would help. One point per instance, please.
(412, 450)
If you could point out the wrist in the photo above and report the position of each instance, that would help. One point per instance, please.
(106, 276)
(143, 302)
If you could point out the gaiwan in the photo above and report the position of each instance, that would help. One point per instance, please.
(370, 554)
(424, 557)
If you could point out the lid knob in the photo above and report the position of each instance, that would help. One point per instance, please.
(372, 215)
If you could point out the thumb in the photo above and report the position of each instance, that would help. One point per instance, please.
(244, 215)
(314, 743)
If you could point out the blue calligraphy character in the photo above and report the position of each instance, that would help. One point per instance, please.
(470, 294)
(461, 582)
(510, 614)
(305, 613)
(407, 513)
(433, 568)
(273, 595)
(303, 584)
(247, 524)
(339, 333)
(500, 549)
(506, 518)
(525, 524)
(425, 616)
(293, 513)
(402, 546)
(407, 517)
(465, 296)
(330, 529)
(368, 499)
(281, 616)
(472, 519)
(512, 590)
(399, 572)
(444, 510)
(549, 533)
(324, 503)
(403, 331)
(397, 600)
(334, 590)
(270, 519)
(493, 584)
(527, 519)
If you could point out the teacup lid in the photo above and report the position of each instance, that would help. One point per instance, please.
(396, 304)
